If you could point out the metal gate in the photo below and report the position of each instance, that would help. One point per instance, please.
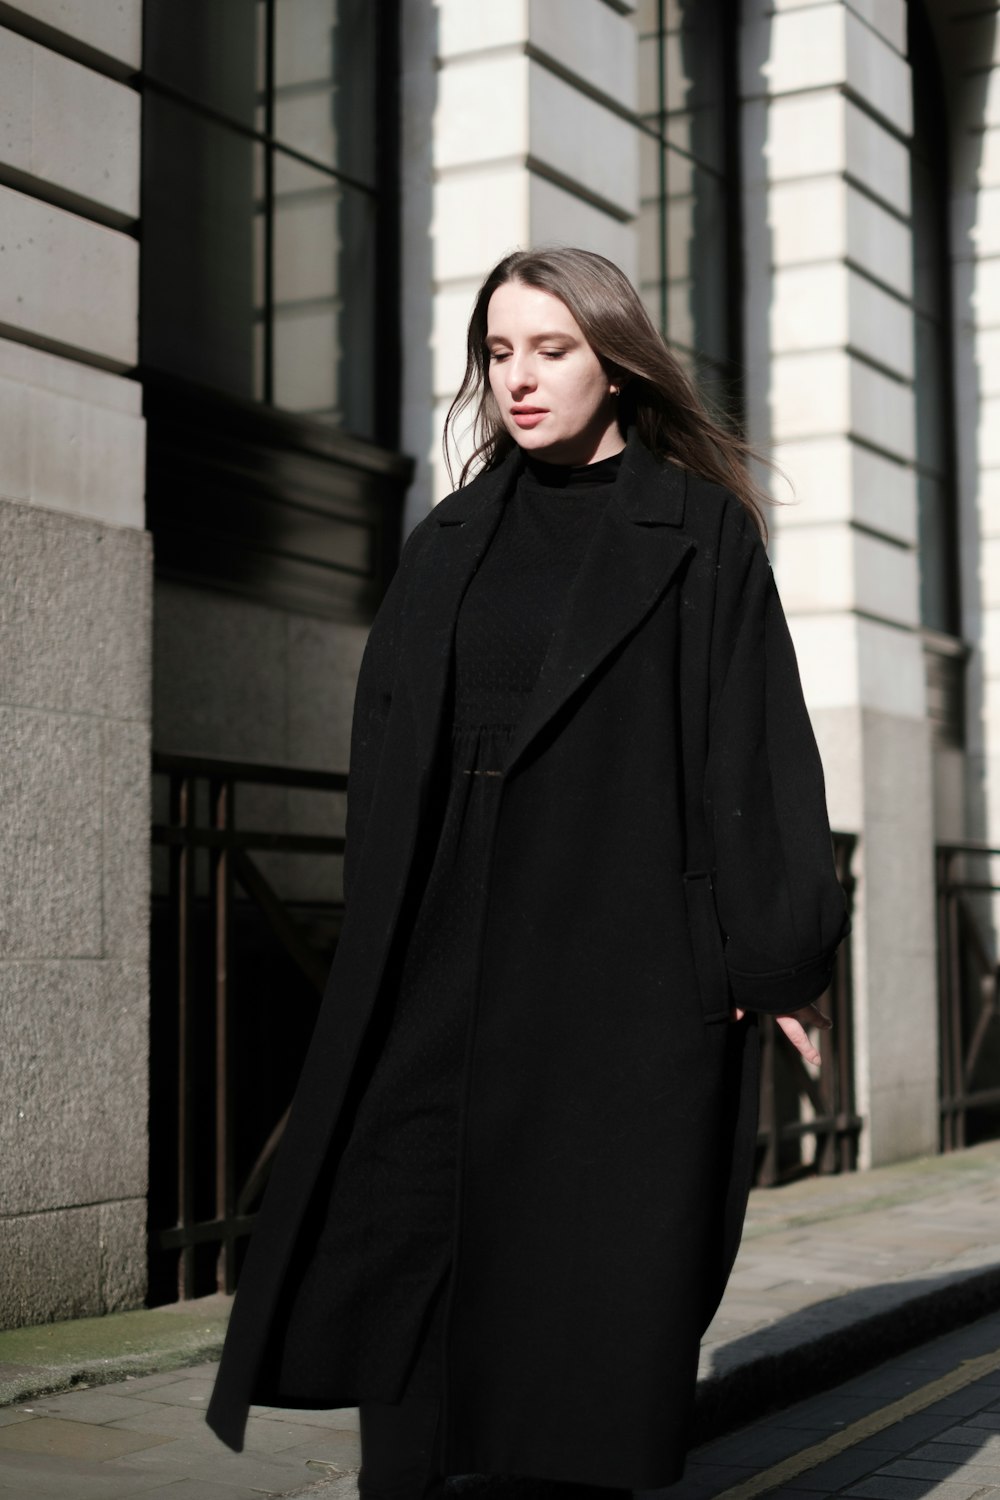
(968, 1000)
(237, 974)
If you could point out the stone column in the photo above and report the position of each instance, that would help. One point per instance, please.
(970, 46)
(827, 117)
(74, 667)
(517, 132)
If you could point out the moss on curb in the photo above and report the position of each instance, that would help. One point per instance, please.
(53, 1357)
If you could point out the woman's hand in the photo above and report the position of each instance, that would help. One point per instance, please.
(794, 1026)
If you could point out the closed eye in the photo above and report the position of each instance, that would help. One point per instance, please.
(497, 356)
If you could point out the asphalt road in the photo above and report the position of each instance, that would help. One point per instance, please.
(926, 1424)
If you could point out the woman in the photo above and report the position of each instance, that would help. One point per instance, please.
(586, 842)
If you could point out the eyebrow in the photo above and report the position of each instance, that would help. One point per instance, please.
(538, 338)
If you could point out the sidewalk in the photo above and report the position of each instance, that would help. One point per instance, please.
(834, 1276)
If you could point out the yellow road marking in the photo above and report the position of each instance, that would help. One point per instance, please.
(967, 1373)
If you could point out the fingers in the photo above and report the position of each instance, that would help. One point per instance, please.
(799, 1037)
(797, 1034)
(794, 1026)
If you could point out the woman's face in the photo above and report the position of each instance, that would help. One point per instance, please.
(554, 396)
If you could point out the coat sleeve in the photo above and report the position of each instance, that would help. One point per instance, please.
(780, 904)
(373, 701)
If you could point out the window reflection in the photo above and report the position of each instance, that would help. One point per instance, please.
(262, 205)
(324, 81)
(200, 253)
(207, 50)
(689, 217)
(323, 297)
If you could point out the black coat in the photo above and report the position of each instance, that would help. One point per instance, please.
(662, 853)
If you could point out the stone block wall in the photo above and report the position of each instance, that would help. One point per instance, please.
(75, 700)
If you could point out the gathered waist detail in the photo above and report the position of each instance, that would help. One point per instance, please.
(476, 731)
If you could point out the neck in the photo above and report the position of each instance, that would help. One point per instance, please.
(576, 458)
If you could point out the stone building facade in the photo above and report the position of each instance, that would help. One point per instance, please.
(808, 195)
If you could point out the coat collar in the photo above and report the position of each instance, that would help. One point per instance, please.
(636, 549)
(648, 490)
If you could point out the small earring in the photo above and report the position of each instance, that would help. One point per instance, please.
(614, 390)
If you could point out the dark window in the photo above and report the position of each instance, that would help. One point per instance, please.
(269, 208)
(936, 448)
(269, 305)
(936, 459)
(691, 275)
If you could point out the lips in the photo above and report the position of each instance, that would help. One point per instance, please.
(528, 416)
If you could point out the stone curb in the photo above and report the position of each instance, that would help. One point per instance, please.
(52, 1357)
(832, 1343)
(825, 1347)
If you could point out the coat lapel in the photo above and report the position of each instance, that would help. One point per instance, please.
(635, 551)
(466, 522)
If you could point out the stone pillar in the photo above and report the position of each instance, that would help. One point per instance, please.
(517, 132)
(74, 667)
(830, 359)
(970, 47)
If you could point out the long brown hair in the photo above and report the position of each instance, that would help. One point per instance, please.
(657, 395)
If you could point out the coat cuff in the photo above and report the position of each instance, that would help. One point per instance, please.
(784, 990)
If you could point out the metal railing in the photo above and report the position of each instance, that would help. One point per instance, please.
(195, 1133)
(968, 997)
(808, 1121)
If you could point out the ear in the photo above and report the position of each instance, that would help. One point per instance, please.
(618, 379)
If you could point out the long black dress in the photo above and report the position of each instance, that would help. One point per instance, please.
(391, 1211)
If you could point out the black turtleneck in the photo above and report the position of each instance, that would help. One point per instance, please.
(571, 476)
(517, 596)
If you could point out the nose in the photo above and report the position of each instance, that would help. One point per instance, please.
(519, 375)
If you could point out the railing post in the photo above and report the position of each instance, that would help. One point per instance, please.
(843, 1042)
(945, 989)
(956, 1091)
(767, 1176)
(182, 811)
(222, 818)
